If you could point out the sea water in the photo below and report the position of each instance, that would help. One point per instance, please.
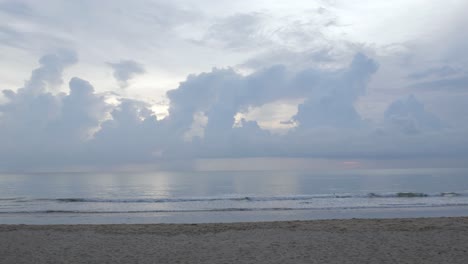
(230, 196)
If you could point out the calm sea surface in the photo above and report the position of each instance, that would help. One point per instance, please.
(193, 197)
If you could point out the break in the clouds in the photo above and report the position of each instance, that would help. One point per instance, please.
(236, 80)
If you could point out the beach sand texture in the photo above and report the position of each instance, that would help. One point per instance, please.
(428, 240)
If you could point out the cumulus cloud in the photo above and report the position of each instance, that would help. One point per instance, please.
(336, 108)
(125, 70)
(34, 103)
(49, 74)
(81, 111)
(132, 135)
(40, 127)
(409, 116)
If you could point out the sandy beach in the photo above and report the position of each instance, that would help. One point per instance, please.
(423, 240)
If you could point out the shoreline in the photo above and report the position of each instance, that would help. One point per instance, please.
(396, 240)
(231, 216)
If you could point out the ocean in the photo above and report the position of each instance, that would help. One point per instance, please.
(230, 196)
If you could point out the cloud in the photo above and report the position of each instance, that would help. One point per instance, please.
(15, 7)
(132, 135)
(441, 71)
(242, 32)
(335, 91)
(409, 116)
(9, 36)
(336, 107)
(238, 32)
(21, 27)
(221, 94)
(35, 96)
(125, 70)
(81, 112)
(41, 127)
(459, 83)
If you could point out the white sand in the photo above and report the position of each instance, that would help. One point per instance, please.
(430, 240)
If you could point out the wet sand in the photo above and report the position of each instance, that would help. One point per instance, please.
(422, 240)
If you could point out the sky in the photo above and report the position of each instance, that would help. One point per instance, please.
(324, 83)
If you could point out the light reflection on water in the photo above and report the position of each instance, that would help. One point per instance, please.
(169, 193)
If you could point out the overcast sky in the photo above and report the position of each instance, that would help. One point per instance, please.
(115, 82)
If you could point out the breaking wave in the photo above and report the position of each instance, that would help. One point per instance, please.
(241, 198)
(390, 206)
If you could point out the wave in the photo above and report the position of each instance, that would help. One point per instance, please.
(214, 210)
(239, 198)
(415, 195)
(11, 199)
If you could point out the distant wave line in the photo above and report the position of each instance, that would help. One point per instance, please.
(385, 206)
(239, 198)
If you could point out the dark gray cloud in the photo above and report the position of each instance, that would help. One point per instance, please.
(125, 70)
